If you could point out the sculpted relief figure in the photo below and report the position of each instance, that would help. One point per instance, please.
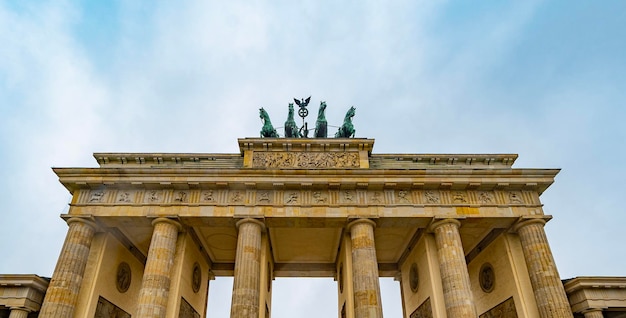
(431, 196)
(486, 197)
(208, 196)
(459, 197)
(403, 196)
(96, 196)
(319, 197)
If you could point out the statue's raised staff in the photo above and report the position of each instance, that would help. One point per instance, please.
(268, 130)
(291, 128)
(347, 129)
(321, 126)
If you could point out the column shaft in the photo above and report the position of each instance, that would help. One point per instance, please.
(155, 285)
(62, 294)
(544, 277)
(455, 279)
(19, 313)
(597, 313)
(367, 301)
(247, 280)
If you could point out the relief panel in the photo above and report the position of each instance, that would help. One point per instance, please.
(506, 309)
(306, 160)
(424, 310)
(186, 310)
(106, 309)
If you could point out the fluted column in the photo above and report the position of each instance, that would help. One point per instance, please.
(367, 301)
(591, 313)
(155, 285)
(247, 280)
(544, 277)
(62, 294)
(457, 292)
(17, 312)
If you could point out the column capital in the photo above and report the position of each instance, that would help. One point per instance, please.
(85, 220)
(21, 308)
(440, 222)
(177, 224)
(360, 220)
(589, 310)
(525, 221)
(251, 220)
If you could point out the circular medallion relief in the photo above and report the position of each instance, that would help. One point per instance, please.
(196, 278)
(123, 277)
(413, 278)
(487, 278)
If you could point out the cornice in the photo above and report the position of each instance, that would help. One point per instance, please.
(601, 282)
(25, 280)
(184, 178)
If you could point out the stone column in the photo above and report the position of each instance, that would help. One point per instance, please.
(62, 294)
(457, 292)
(544, 277)
(155, 285)
(19, 312)
(591, 313)
(367, 301)
(247, 280)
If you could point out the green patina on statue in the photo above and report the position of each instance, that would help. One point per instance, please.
(268, 130)
(321, 126)
(291, 128)
(347, 129)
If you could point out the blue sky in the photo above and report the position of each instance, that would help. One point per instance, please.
(544, 79)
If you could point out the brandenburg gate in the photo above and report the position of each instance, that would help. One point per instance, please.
(462, 233)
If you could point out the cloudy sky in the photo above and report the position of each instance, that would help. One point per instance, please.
(544, 79)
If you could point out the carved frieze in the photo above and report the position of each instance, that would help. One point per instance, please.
(308, 196)
(308, 160)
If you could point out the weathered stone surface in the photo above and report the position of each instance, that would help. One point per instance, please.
(62, 294)
(549, 293)
(367, 301)
(457, 291)
(155, 285)
(247, 280)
